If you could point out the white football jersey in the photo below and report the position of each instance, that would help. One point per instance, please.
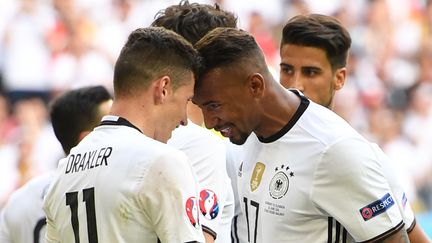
(207, 153)
(117, 185)
(317, 180)
(22, 219)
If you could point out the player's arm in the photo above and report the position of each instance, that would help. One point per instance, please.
(208, 237)
(368, 211)
(214, 188)
(417, 235)
(169, 197)
(399, 236)
(415, 232)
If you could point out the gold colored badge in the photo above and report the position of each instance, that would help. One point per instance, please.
(257, 175)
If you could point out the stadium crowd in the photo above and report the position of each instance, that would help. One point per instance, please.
(50, 46)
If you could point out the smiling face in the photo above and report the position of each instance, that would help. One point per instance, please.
(309, 70)
(227, 103)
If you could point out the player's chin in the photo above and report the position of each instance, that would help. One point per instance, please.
(238, 139)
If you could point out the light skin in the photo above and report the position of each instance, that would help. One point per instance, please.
(309, 70)
(157, 110)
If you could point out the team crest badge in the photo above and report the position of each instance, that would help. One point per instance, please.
(279, 184)
(192, 211)
(209, 204)
(257, 175)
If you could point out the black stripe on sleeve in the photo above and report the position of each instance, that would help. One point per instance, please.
(387, 233)
(338, 228)
(344, 235)
(330, 230)
(209, 231)
(414, 223)
(234, 233)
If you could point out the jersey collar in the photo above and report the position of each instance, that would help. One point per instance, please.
(117, 121)
(304, 103)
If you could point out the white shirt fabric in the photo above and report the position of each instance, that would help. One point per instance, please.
(207, 154)
(22, 219)
(317, 180)
(117, 185)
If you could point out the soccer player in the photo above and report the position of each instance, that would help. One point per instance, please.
(73, 115)
(314, 50)
(122, 183)
(304, 166)
(193, 21)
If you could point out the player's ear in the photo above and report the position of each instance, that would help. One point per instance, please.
(340, 78)
(256, 84)
(161, 88)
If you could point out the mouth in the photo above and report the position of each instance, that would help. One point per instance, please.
(225, 131)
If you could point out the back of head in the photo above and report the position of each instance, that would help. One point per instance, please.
(194, 20)
(319, 31)
(227, 47)
(76, 111)
(149, 54)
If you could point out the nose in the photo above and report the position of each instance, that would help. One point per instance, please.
(298, 82)
(210, 121)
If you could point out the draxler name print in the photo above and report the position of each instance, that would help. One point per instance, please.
(88, 160)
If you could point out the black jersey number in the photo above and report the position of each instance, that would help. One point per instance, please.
(256, 205)
(72, 202)
(37, 229)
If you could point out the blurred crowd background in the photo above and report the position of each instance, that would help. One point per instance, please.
(49, 46)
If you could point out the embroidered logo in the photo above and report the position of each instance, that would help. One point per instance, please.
(279, 184)
(257, 175)
(209, 205)
(377, 207)
(404, 201)
(192, 211)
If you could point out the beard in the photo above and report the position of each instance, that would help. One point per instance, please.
(240, 139)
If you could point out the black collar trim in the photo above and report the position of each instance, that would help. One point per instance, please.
(117, 121)
(304, 103)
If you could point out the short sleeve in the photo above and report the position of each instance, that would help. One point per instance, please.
(169, 197)
(349, 185)
(391, 172)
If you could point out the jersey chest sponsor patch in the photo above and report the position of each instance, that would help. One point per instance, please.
(378, 207)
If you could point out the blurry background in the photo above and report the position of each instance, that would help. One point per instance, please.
(49, 46)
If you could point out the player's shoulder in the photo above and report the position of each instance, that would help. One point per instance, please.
(195, 135)
(35, 187)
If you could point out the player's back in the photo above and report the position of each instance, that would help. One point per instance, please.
(116, 186)
(207, 155)
(23, 219)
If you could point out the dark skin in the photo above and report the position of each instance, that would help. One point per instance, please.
(264, 107)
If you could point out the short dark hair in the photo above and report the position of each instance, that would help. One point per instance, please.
(150, 53)
(76, 111)
(223, 47)
(320, 31)
(194, 20)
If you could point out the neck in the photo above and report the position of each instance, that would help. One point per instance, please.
(282, 103)
(136, 113)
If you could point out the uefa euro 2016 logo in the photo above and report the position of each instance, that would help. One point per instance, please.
(192, 211)
(209, 204)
